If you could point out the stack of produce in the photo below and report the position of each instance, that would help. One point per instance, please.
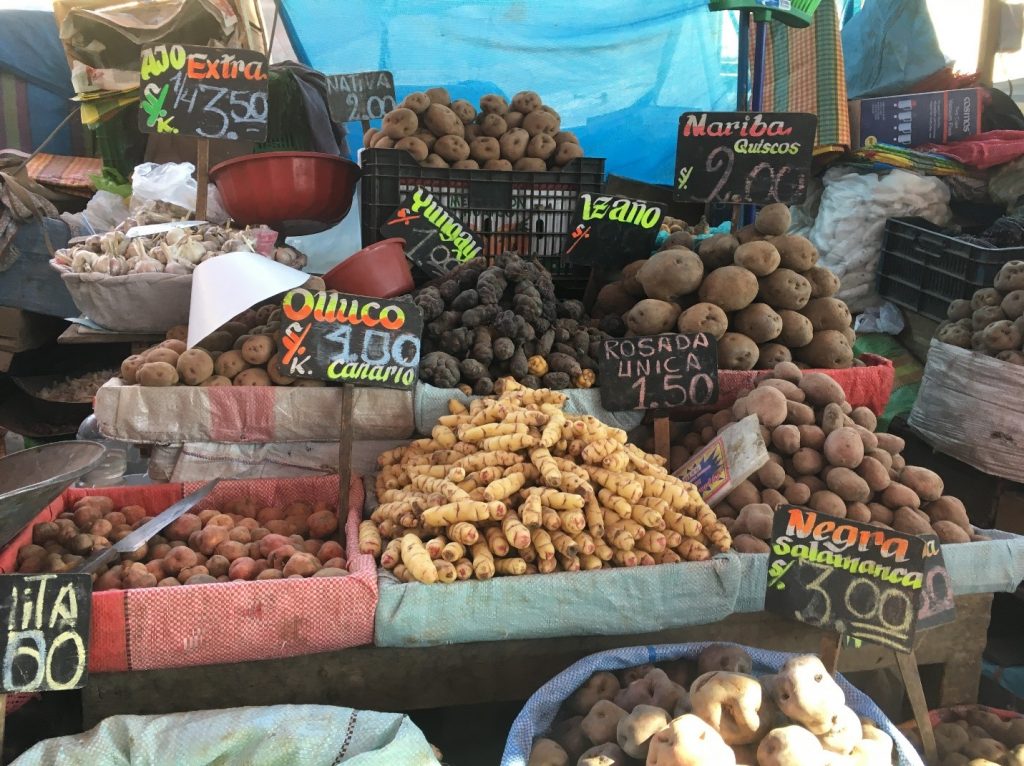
(177, 251)
(79, 388)
(825, 455)
(760, 294)
(992, 321)
(441, 133)
(242, 541)
(654, 715)
(972, 736)
(484, 322)
(671, 225)
(243, 352)
(514, 485)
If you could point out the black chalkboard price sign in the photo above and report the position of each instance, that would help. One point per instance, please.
(937, 604)
(435, 239)
(205, 92)
(611, 231)
(360, 96)
(855, 579)
(342, 338)
(653, 372)
(744, 157)
(44, 641)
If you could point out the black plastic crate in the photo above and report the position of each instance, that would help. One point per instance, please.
(528, 212)
(924, 269)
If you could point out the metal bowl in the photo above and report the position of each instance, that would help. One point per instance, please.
(32, 478)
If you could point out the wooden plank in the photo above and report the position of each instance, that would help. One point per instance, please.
(917, 334)
(463, 674)
(77, 334)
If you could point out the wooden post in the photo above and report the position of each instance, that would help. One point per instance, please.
(3, 722)
(907, 664)
(663, 437)
(344, 457)
(831, 645)
(202, 176)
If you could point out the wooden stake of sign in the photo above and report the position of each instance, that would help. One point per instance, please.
(344, 456)
(202, 176)
(907, 664)
(831, 646)
(663, 436)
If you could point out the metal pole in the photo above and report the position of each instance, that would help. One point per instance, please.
(743, 63)
(760, 54)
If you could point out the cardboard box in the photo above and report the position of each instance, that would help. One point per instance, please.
(23, 330)
(917, 118)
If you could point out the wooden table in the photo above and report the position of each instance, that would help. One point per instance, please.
(465, 674)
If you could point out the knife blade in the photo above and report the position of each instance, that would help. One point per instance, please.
(136, 538)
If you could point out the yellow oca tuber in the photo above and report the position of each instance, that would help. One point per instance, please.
(512, 485)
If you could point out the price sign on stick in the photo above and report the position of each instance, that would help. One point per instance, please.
(45, 632)
(212, 93)
(652, 372)
(361, 96)
(612, 231)
(435, 239)
(209, 93)
(354, 340)
(937, 604)
(861, 581)
(744, 157)
(342, 338)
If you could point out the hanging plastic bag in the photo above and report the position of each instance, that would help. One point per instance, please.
(885, 319)
(171, 182)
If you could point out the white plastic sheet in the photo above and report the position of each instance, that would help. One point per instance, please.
(850, 223)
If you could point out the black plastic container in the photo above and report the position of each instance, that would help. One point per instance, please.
(924, 269)
(528, 212)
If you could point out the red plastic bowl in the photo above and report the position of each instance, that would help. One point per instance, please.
(379, 270)
(292, 192)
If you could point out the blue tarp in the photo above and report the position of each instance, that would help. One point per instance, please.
(619, 73)
(889, 46)
(30, 49)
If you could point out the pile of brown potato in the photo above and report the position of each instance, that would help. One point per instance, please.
(977, 737)
(243, 352)
(441, 133)
(992, 321)
(760, 293)
(653, 715)
(825, 455)
(242, 541)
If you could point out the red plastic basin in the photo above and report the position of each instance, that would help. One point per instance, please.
(380, 271)
(288, 191)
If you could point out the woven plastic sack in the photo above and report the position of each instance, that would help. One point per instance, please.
(235, 621)
(969, 407)
(537, 715)
(247, 414)
(311, 735)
